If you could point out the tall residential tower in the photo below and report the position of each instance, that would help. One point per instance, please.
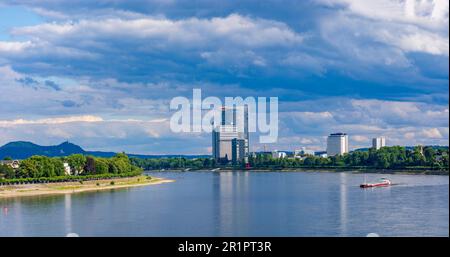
(378, 142)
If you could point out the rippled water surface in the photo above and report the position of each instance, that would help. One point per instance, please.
(241, 204)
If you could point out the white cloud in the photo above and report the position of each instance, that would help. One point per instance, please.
(360, 138)
(310, 117)
(56, 120)
(409, 135)
(193, 32)
(431, 133)
(412, 26)
(401, 113)
(8, 47)
(413, 39)
(154, 43)
(426, 13)
(49, 13)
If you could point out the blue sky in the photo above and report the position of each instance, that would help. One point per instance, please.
(102, 73)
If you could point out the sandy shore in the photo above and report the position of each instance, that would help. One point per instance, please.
(77, 187)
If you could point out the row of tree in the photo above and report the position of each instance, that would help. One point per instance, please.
(173, 163)
(42, 166)
(395, 157)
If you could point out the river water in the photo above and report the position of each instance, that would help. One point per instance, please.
(240, 204)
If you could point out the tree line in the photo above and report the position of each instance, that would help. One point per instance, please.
(395, 157)
(173, 163)
(49, 167)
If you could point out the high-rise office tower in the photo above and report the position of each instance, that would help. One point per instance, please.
(337, 143)
(233, 126)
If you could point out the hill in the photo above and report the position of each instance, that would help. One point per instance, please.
(23, 150)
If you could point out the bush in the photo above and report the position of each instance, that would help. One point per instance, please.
(18, 181)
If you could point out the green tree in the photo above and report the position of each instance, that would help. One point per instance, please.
(418, 157)
(58, 166)
(429, 155)
(120, 163)
(28, 169)
(89, 168)
(101, 166)
(77, 162)
(7, 171)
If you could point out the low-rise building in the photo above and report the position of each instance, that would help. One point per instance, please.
(277, 155)
(67, 169)
(11, 163)
(322, 154)
(303, 151)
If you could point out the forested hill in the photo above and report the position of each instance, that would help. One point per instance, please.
(22, 150)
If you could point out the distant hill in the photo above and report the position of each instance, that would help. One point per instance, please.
(23, 150)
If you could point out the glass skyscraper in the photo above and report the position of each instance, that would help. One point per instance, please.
(230, 139)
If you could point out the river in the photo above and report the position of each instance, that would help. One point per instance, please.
(241, 204)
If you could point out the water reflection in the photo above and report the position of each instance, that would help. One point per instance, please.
(12, 207)
(68, 213)
(343, 202)
(231, 194)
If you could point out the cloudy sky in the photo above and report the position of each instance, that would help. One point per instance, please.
(101, 73)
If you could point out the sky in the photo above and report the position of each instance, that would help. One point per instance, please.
(101, 74)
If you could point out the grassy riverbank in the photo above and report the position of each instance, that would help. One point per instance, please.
(8, 191)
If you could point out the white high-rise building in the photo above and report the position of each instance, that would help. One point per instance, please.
(337, 143)
(378, 142)
(229, 139)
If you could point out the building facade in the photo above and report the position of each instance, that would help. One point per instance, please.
(303, 151)
(230, 139)
(378, 142)
(238, 149)
(337, 144)
(67, 169)
(11, 163)
(222, 142)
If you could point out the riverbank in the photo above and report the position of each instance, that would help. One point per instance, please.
(77, 187)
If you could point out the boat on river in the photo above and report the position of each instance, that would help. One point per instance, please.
(382, 182)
